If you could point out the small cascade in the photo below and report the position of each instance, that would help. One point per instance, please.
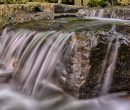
(110, 69)
(111, 59)
(109, 63)
(93, 13)
(32, 56)
(111, 13)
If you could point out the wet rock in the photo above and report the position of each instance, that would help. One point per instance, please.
(77, 65)
(81, 64)
(94, 80)
(82, 68)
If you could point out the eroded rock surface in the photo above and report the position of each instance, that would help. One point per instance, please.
(77, 62)
(83, 55)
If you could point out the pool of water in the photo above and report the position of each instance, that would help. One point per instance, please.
(72, 24)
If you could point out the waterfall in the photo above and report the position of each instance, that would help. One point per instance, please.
(111, 13)
(29, 59)
(32, 56)
(111, 67)
(109, 63)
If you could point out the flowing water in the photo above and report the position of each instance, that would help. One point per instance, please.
(32, 56)
(28, 75)
(112, 14)
(109, 63)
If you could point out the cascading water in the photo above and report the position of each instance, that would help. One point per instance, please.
(33, 55)
(29, 59)
(109, 14)
(110, 69)
(109, 63)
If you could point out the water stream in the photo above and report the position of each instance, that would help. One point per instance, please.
(32, 56)
(29, 61)
(108, 14)
(111, 58)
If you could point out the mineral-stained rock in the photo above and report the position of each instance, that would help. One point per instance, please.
(77, 63)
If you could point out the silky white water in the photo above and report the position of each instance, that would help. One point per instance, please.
(31, 57)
